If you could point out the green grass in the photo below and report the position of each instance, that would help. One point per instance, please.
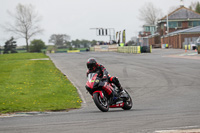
(34, 85)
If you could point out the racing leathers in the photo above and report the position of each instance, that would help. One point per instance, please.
(102, 73)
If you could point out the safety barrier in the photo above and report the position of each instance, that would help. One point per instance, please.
(165, 45)
(106, 48)
(91, 48)
(129, 49)
(190, 47)
(72, 51)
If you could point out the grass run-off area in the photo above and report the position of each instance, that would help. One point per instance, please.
(34, 85)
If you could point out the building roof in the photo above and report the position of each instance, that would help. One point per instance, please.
(189, 30)
(182, 13)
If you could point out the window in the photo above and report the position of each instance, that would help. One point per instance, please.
(194, 23)
(175, 24)
(179, 24)
(147, 28)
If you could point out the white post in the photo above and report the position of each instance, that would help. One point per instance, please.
(167, 25)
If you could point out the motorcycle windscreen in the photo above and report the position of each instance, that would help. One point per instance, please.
(93, 81)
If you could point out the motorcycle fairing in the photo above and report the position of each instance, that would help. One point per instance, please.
(119, 105)
(100, 92)
(92, 80)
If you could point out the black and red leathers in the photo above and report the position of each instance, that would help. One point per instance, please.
(102, 73)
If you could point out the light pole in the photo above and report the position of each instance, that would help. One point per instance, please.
(167, 25)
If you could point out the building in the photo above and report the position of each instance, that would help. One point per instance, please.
(147, 30)
(180, 38)
(181, 18)
(171, 28)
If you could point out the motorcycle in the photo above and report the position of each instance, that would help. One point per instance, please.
(101, 98)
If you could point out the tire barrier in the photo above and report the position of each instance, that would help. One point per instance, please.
(146, 49)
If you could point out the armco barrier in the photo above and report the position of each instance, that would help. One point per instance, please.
(129, 49)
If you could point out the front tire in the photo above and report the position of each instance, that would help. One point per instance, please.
(127, 103)
(101, 103)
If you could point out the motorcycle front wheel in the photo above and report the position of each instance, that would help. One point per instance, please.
(128, 103)
(101, 103)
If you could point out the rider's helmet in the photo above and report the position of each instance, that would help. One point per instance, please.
(91, 64)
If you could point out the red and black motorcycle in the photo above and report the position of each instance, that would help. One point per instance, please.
(101, 98)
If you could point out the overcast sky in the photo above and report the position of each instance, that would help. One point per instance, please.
(76, 17)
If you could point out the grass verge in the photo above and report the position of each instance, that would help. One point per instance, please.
(34, 85)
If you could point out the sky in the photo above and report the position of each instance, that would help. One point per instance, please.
(76, 17)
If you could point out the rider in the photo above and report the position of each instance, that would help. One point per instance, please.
(93, 66)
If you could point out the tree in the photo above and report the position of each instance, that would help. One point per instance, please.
(197, 9)
(37, 45)
(193, 5)
(59, 39)
(132, 42)
(76, 43)
(81, 43)
(93, 43)
(150, 14)
(26, 23)
(10, 46)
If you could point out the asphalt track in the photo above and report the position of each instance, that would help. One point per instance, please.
(165, 88)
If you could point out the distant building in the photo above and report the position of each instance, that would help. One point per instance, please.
(180, 38)
(181, 18)
(175, 23)
(147, 30)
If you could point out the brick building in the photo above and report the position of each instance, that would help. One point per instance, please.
(170, 29)
(177, 39)
(181, 18)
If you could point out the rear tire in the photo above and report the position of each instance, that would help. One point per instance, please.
(102, 104)
(127, 103)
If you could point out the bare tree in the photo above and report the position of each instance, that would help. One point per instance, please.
(150, 14)
(193, 5)
(59, 39)
(26, 23)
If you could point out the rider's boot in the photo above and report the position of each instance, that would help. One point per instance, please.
(122, 93)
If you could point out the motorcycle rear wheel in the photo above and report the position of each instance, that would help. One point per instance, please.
(101, 103)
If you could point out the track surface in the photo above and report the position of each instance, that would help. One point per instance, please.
(165, 91)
